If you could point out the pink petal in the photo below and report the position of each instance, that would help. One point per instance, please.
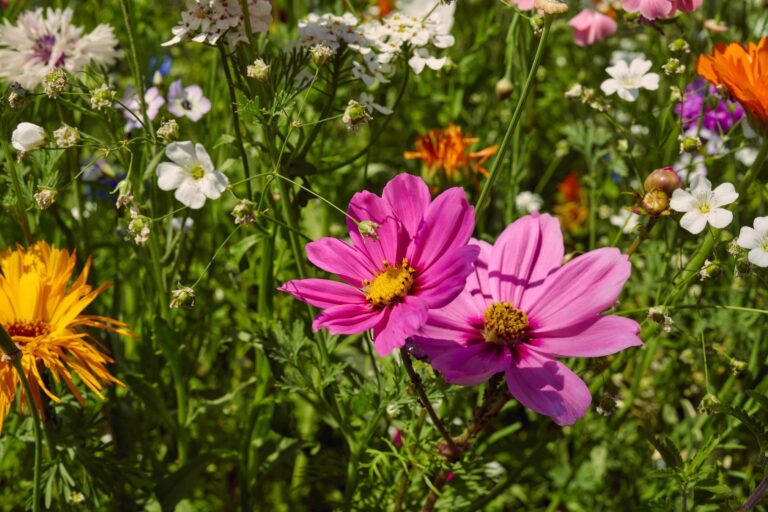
(526, 252)
(444, 280)
(366, 206)
(466, 365)
(348, 318)
(478, 284)
(340, 258)
(457, 321)
(578, 291)
(408, 196)
(547, 387)
(650, 9)
(447, 224)
(390, 245)
(405, 319)
(602, 336)
(323, 293)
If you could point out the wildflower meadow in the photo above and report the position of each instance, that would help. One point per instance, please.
(383, 255)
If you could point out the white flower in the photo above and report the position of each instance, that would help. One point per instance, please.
(756, 240)
(627, 80)
(702, 205)
(206, 21)
(528, 202)
(43, 40)
(188, 101)
(28, 136)
(367, 101)
(421, 58)
(625, 220)
(192, 175)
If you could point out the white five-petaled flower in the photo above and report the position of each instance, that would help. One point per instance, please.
(192, 174)
(627, 79)
(187, 101)
(703, 205)
(28, 136)
(370, 105)
(625, 220)
(756, 240)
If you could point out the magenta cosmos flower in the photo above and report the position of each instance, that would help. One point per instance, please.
(417, 260)
(655, 9)
(521, 310)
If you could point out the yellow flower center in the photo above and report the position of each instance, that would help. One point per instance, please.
(505, 324)
(27, 329)
(197, 172)
(390, 285)
(704, 208)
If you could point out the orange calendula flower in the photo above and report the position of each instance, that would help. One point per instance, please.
(447, 152)
(385, 7)
(43, 315)
(572, 205)
(743, 71)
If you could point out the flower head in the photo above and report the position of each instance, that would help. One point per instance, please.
(43, 40)
(418, 260)
(703, 206)
(28, 137)
(521, 310)
(188, 101)
(656, 9)
(702, 102)
(446, 152)
(590, 26)
(191, 174)
(43, 314)
(756, 241)
(627, 79)
(743, 71)
(207, 21)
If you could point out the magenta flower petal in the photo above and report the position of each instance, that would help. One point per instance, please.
(548, 387)
(578, 291)
(342, 259)
(448, 223)
(390, 244)
(323, 293)
(529, 250)
(444, 280)
(455, 322)
(408, 196)
(366, 206)
(605, 335)
(348, 318)
(405, 318)
(466, 365)
(478, 283)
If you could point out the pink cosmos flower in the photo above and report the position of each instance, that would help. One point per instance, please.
(590, 26)
(417, 259)
(524, 5)
(521, 310)
(655, 9)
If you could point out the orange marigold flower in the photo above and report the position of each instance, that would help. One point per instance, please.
(385, 7)
(44, 317)
(446, 151)
(743, 71)
(572, 205)
(570, 187)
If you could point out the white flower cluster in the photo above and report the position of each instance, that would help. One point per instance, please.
(207, 21)
(379, 41)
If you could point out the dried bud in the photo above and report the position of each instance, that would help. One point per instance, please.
(66, 136)
(607, 405)
(504, 88)
(102, 97)
(17, 95)
(708, 269)
(183, 296)
(659, 315)
(45, 197)
(664, 179)
(258, 70)
(655, 203)
(551, 6)
(245, 212)
(169, 130)
(368, 228)
(355, 116)
(321, 54)
(715, 26)
(575, 92)
(124, 194)
(54, 83)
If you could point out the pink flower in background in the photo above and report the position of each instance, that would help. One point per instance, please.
(521, 310)
(655, 9)
(412, 256)
(590, 26)
(525, 5)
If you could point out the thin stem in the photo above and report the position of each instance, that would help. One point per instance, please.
(642, 236)
(135, 67)
(12, 352)
(516, 116)
(236, 119)
(424, 399)
(23, 219)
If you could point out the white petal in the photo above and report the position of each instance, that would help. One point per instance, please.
(694, 222)
(720, 217)
(610, 86)
(618, 70)
(639, 66)
(203, 158)
(628, 94)
(761, 225)
(724, 194)
(758, 257)
(189, 194)
(183, 153)
(650, 82)
(417, 64)
(213, 184)
(700, 185)
(748, 238)
(682, 201)
(170, 176)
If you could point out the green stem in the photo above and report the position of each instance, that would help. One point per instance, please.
(23, 219)
(516, 116)
(13, 353)
(136, 68)
(236, 120)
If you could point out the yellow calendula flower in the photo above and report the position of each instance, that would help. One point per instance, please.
(43, 315)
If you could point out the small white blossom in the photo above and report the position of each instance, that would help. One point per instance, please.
(625, 220)
(756, 240)
(527, 202)
(207, 21)
(28, 137)
(367, 101)
(703, 205)
(192, 174)
(66, 136)
(627, 79)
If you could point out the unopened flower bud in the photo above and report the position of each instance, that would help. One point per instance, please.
(504, 88)
(45, 197)
(689, 144)
(258, 70)
(183, 296)
(708, 403)
(664, 179)
(368, 228)
(708, 269)
(54, 83)
(169, 130)
(102, 97)
(675, 94)
(124, 194)
(66, 136)
(551, 6)
(673, 67)
(17, 95)
(655, 202)
(575, 92)
(245, 212)
(355, 116)
(321, 54)
(738, 366)
(139, 227)
(679, 45)
(622, 146)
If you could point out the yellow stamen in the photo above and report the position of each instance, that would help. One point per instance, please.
(390, 285)
(505, 324)
(197, 172)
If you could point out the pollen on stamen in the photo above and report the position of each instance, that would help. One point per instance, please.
(390, 285)
(505, 324)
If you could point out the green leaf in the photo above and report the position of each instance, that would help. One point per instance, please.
(180, 484)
